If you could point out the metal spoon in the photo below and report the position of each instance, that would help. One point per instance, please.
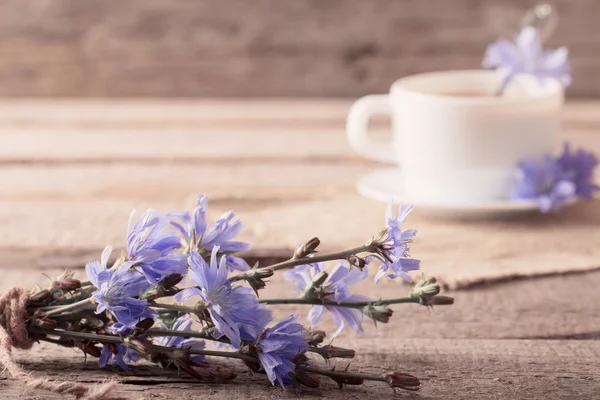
(543, 17)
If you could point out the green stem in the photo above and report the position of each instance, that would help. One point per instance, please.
(74, 316)
(215, 353)
(79, 335)
(69, 307)
(338, 374)
(352, 304)
(118, 340)
(292, 262)
(185, 334)
(175, 307)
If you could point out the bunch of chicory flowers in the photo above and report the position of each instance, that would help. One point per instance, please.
(122, 314)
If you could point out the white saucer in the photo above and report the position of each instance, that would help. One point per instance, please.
(386, 184)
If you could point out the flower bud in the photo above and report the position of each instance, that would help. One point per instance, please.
(402, 380)
(142, 347)
(314, 337)
(441, 300)
(378, 313)
(253, 365)
(347, 380)
(170, 281)
(306, 379)
(425, 290)
(40, 298)
(89, 348)
(256, 278)
(45, 323)
(145, 324)
(67, 284)
(358, 262)
(308, 248)
(331, 351)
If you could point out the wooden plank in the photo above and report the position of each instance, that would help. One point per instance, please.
(70, 208)
(273, 179)
(304, 48)
(279, 114)
(201, 132)
(461, 369)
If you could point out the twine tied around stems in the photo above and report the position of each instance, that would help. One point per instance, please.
(13, 334)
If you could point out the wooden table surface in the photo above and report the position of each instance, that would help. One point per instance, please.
(60, 161)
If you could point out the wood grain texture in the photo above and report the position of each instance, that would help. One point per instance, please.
(73, 171)
(263, 47)
(457, 369)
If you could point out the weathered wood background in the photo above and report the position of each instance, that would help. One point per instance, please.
(72, 169)
(262, 47)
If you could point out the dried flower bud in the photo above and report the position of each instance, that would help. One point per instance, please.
(402, 380)
(89, 348)
(331, 351)
(145, 324)
(358, 262)
(253, 365)
(425, 290)
(306, 379)
(308, 248)
(40, 298)
(256, 277)
(347, 380)
(67, 284)
(314, 337)
(44, 322)
(378, 313)
(170, 281)
(441, 300)
(142, 347)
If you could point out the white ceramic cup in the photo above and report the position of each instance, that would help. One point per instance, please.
(454, 148)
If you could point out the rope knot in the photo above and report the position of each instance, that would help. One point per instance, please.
(13, 333)
(14, 317)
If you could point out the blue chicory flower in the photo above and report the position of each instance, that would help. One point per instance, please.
(279, 346)
(119, 359)
(578, 167)
(397, 261)
(234, 311)
(221, 234)
(526, 56)
(151, 247)
(335, 288)
(555, 181)
(183, 323)
(117, 289)
(542, 181)
(118, 354)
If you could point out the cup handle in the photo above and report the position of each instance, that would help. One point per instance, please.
(357, 126)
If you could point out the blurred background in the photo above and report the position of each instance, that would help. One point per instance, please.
(109, 105)
(233, 48)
